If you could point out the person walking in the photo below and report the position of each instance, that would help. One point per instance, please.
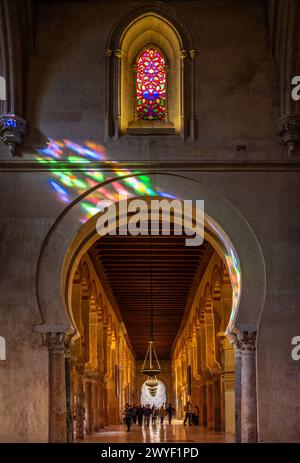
(162, 414)
(140, 414)
(147, 414)
(170, 411)
(188, 413)
(134, 414)
(154, 415)
(196, 416)
(127, 416)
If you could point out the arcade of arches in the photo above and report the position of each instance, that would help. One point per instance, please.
(109, 306)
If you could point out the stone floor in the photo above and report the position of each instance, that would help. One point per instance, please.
(175, 432)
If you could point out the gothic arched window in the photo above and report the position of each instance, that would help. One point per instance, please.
(150, 45)
(151, 86)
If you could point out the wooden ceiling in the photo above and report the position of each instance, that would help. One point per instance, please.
(124, 263)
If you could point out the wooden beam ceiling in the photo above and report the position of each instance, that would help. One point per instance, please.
(125, 263)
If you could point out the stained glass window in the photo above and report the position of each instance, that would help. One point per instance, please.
(151, 86)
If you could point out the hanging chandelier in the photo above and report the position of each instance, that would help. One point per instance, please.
(152, 385)
(151, 366)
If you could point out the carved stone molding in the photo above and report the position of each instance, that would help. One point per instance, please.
(193, 54)
(288, 128)
(118, 53)
(12, 130)
(183, 54)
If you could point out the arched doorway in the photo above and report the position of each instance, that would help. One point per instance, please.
(78, 239)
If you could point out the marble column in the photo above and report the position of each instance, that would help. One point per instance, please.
(238, 385)
(89, 408)
(68, 372)
(248, 386)
(79, 405)
(57, 387)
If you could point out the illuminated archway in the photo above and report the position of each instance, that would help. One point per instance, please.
(68, 240)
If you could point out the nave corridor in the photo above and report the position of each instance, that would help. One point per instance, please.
(118, 283)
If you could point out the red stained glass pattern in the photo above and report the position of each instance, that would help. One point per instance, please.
(151, 86)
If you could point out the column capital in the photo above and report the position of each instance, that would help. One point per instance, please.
(55, 342)
(247, 340)
(193, 54)
(225, 340)
(234, 340)
(288, 128)
(243, 340)
(183, 54)
(118, 53)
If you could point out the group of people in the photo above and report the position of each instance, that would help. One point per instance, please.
(191, 414)
(144, 414)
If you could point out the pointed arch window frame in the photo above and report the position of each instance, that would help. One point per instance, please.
(186, 58)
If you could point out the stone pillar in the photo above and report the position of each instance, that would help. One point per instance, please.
(203, 406)
(57, 387)
(79, 406)
(232, 386)
(238, 385)
(217, 404)
(95, 395)
(68, 372)
(248, 386)
(105, 404)
(101, 406)
(210, 405)
(89, 408)
(196, 396)
(223, 411)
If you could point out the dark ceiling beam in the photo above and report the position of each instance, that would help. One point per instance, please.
(125, 263)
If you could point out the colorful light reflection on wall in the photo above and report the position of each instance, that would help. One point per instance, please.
(233, 266)
(68, 184)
